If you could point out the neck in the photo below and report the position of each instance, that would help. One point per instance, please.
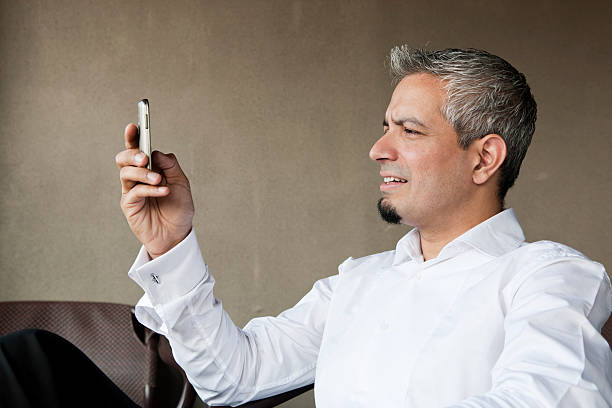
(436, 236)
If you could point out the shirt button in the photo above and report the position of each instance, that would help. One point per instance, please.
(418, 276)
(155, 278)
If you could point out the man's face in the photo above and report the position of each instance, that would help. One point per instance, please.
(420, 148)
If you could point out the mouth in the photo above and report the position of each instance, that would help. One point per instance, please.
(391, 182)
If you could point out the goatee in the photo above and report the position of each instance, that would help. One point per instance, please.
(388, 212)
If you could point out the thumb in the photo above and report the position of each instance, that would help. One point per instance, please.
(167, 163)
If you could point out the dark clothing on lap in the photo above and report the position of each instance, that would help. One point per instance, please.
(41, 369)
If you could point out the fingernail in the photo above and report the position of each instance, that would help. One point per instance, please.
(152, 177)
(139, 157)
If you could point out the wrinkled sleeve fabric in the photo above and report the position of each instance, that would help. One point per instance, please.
(554, 355)
(225, 364)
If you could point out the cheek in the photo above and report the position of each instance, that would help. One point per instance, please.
(421, 157)
(427, 164)
(437, 173)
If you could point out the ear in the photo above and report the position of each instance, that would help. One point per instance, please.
(489, 153)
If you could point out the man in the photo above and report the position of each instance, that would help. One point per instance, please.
(464, 312)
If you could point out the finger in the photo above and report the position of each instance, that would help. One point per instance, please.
(131, 136)
(168, 164)
(131, 176)
(132, 157)
(141, 191)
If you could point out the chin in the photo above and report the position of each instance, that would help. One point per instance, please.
(388, 212)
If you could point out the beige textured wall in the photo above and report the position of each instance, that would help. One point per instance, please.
(271, 107)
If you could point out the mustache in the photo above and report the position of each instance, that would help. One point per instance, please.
(395, 170)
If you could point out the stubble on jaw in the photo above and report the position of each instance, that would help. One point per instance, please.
(388, 213)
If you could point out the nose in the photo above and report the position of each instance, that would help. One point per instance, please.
(384, 148)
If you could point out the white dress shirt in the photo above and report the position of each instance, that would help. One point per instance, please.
(492, 321)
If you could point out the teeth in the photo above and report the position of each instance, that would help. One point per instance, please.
(392, 179)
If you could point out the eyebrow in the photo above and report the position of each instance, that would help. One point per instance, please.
(402, 120)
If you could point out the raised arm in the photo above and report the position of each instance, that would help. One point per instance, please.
(225, 364)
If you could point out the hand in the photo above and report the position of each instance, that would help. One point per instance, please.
(157, 204)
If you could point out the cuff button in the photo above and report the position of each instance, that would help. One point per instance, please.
(155, 278)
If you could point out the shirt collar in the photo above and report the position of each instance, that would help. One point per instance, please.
(494, 236)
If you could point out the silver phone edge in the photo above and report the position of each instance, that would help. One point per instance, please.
(144, 130)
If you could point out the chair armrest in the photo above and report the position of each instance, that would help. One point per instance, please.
(158, 349)
(274, 400)
(188, 393)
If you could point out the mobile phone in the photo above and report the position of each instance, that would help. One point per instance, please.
(144, 129)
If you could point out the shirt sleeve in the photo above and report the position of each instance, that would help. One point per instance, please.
(554, 354)
(225, 364)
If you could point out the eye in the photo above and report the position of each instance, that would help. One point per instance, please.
(410, 131)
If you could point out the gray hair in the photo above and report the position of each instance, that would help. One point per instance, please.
(485, 95)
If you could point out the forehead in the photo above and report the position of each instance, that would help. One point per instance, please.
(418, 95)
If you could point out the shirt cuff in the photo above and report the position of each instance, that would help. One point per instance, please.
(172, 274)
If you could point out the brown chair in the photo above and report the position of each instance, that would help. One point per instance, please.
(135, 358)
